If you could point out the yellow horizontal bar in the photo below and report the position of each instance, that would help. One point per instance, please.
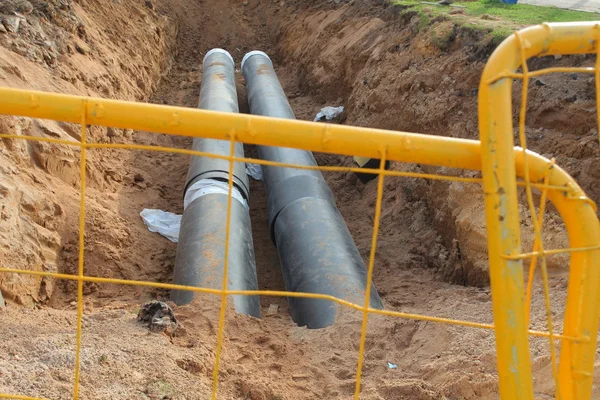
(543, 71)
(112, 280)
(17, 397)
(192, 122)
(523, 256)
(561, 70)
(275, 293)
(64, 142)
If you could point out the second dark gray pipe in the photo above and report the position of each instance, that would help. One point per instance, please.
(316, 250)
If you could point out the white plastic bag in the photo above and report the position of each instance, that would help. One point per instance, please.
(168, 224)
(254, 170)
(329, 113)
(163, 222)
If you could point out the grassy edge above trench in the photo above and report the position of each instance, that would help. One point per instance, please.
(494, 17)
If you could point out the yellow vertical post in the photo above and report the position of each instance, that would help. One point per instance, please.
(583, 297)
(577, 358)
(502, 218)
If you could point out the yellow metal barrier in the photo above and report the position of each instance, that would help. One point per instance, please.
(574, 376)
(495, 155)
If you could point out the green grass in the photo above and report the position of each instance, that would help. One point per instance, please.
(521, 14)
(500, 19)
(526, 14)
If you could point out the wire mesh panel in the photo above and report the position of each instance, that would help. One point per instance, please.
(495, 155)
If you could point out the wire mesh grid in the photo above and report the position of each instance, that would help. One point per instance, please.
(224, 292)
(538, 250)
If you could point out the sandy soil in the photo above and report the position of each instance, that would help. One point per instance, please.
(431, 259)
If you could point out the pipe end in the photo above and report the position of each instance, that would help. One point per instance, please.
(254, 53)
(222, 51)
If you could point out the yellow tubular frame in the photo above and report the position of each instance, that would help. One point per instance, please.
(506, 273)
(495, 155)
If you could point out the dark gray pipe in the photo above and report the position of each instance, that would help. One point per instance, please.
(315, 247)
(218, 93)
(201, 249)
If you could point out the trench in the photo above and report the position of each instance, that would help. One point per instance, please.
(162, 175)
(376, 61)
(387, 74)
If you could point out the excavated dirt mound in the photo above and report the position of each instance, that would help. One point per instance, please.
(389, 72)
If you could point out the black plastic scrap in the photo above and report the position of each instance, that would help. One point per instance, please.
(158, 316)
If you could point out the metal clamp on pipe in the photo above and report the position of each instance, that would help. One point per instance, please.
(315, 247)
(201, 249)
